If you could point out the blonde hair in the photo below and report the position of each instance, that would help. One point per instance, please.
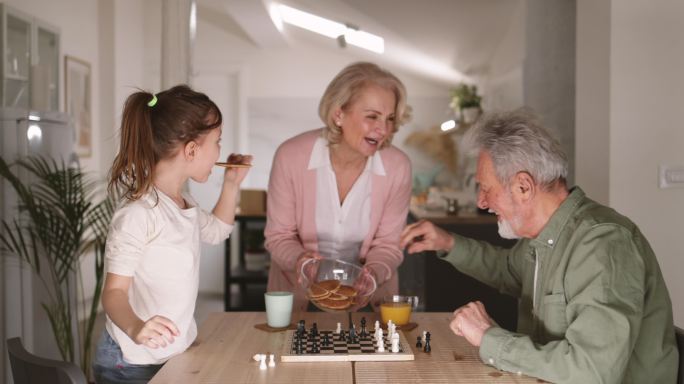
(345, 88)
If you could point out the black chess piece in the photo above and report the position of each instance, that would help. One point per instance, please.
(342, 335)
(326, 340)
(419, 342)
(352, 334)
(298, 346)
(427, 347)
(364, 331)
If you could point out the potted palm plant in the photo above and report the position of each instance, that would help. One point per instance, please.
(61, 220)
(467, 101)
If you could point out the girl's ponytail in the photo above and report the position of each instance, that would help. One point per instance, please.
(131, 173)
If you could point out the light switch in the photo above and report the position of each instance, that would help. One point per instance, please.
(671, 176)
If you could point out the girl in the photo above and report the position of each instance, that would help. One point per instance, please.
(153, 246)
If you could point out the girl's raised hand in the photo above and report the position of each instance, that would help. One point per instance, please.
(156, 332)
(237, 175)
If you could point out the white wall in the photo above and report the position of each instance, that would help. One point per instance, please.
(503, 86)
(630, 88)
(646, 126)
(592, 102)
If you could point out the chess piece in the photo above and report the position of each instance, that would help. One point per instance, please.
(262, 362)
(395, 343)
(378, 333)
(326, 340)
(363, 327)
(271, 361)
(427, 347)
(424, 333)
(339, 328)
(352, 334)
(342, 335)
(377, 325)
(419, 342)
(381, 345)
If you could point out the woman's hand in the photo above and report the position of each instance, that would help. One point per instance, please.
(156, 332)
(237, 175)
(311, 269)
(364, 281)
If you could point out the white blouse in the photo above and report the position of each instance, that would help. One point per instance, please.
(342, 228)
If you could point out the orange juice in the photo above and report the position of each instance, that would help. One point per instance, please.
(399, 313)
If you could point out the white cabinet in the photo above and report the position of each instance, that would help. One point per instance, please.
(30, 64)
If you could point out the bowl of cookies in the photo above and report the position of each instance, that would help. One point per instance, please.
(336, 286)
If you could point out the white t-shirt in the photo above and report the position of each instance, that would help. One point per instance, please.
(342, 228)
(158, 245)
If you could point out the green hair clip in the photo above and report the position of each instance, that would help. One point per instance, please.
(152, 102)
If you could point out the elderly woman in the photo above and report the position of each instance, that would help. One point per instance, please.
(343, 191)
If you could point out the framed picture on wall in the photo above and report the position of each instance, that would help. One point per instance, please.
(78, 102)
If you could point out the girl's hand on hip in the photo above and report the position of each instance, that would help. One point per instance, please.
(156, 332)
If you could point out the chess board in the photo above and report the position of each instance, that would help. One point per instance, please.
(342, 350)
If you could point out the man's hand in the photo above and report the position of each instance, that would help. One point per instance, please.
(471, 321)
(425, 236)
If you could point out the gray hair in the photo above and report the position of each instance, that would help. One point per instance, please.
(517, 142)
(346, 86)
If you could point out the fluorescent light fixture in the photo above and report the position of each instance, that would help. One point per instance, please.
(331, 29)
(34, 117)
(34, 133)
(274, 12)
(448, 125)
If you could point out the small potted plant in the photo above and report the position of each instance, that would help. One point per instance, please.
(467, 102)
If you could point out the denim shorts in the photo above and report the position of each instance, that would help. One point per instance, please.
(109, 366)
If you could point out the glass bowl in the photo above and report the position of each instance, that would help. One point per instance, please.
(336, 286)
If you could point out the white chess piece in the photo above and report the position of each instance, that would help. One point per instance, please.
(381, 345)
(424, 337)
(378, 333)
(271, 361)
(262, 362)
(395, 343)
(339, 328)
(377, 325)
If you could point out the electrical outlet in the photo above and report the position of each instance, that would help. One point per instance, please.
(671, 176)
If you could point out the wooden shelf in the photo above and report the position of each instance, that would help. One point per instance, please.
(251, 283)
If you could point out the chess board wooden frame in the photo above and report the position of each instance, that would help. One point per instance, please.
(286, 354)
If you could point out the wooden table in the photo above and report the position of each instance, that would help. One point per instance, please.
(227, 341)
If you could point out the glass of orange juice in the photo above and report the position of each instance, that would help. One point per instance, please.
(397, 308)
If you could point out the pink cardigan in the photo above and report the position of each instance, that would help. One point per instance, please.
(291, 225)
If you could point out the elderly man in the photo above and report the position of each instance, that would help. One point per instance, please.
(593, 306)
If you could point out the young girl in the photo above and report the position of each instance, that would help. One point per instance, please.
(153, 246)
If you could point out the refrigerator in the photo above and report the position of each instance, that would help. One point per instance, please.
(24, 133)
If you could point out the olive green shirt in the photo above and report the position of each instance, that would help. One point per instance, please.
(593, 306)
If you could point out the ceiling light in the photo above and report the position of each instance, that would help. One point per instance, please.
(332, 29)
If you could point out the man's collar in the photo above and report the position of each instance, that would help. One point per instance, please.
(551, 231)
(320, 157)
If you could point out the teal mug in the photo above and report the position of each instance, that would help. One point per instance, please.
(278, 308)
